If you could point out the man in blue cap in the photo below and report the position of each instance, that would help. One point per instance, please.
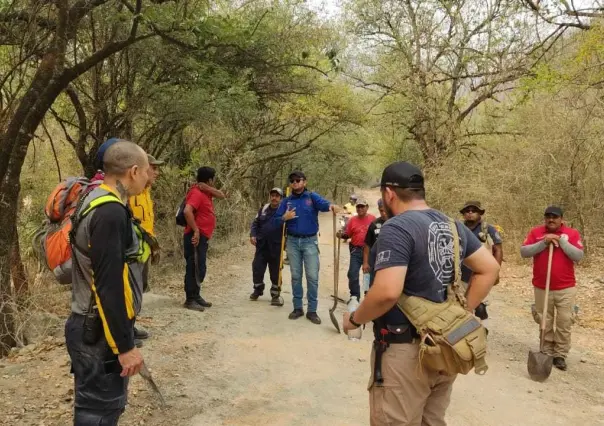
(300, 213)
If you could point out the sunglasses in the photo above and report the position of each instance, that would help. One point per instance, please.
(551, 216)
(295, 180)
(470, 211)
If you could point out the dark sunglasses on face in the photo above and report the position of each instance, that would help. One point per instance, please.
(551, 216)
(470, 211)
(295, 180)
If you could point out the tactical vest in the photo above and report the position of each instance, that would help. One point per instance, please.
(136, 254)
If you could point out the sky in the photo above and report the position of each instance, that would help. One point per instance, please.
(326, 8)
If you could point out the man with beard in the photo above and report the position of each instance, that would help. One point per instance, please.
(266, 237)
(488, 235)
(404, 260)
(568, 249)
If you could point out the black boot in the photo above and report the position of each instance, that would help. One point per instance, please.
(203, 302)
(560, 363)
(140, 334)
(256, 294)
(296, 313)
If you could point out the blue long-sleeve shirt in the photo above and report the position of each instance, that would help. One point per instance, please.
(308, 205)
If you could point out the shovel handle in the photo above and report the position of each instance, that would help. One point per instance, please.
(545, 302)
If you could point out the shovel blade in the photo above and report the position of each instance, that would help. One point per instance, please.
(334, 321)
(539, 366)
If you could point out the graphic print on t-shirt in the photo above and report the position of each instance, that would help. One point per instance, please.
(440, 251)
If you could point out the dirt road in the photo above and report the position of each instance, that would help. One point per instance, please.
(245, 363)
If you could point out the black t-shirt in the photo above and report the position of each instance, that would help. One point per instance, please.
(373, 231)
(422, 241)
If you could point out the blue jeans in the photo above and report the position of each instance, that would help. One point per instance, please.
(356, 263)
(304, 252)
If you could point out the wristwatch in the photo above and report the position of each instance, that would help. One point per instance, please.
(352, 321)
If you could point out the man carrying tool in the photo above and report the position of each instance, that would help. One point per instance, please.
(414, 254)
(201, 222)
(300, 213)
(568, 249)
(267, 239)
(356, 231)
(100, 330)
(488, 235)
(141, 206)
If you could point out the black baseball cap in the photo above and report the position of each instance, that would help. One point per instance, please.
(554, 210)
(297, 174)
(402, 175)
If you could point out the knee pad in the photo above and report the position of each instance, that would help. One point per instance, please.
(481, 311)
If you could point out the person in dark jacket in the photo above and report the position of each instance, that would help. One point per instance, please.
(266, 237)
(300, 213)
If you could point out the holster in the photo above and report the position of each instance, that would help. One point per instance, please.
(93, 327)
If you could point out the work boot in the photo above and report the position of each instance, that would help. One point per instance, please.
(140, 334)
(560, 363)
(313, 317)
(256, 294)
(203, 303)
(296, 313)
(194, 306)
(277, 301)
(138, 343)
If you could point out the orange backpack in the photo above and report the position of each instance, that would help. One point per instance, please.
(52, 240)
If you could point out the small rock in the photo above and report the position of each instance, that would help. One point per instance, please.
(507, 366)
(540, 390)
(530, 391)
(361, 360)
(583, 360)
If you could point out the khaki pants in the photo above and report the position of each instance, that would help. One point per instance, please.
(408, 397)
(561, 302)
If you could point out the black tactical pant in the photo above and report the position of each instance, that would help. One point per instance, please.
(267, 254)
(100, 393)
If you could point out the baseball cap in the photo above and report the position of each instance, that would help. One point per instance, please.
(555, 210)
(102, 150)
(402, 175)
(361, 202)
(476, 204)
(153, 161)
(277, 190)
(297, 174)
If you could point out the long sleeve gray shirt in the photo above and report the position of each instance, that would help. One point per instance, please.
(575, 254)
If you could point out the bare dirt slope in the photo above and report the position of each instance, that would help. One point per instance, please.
(245, 363)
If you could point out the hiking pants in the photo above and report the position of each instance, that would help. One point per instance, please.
(557, 332)
(407, 397)
(100, 393)
(192, 285)
(266, 255)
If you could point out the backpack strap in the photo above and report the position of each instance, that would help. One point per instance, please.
(456, 287)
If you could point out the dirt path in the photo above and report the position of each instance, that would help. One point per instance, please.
(245, 363)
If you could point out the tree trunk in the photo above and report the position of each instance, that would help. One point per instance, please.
(17, 270)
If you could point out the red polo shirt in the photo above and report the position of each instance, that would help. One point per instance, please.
(563, 268)
(203, 209)
(356, 229)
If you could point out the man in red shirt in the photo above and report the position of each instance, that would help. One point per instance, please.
(568, 249)
(356, 230)
(201, 221)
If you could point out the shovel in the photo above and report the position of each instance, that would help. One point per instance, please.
(539, 364)
(336, 273)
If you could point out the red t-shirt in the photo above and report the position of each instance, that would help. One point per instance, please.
(203, 209)
(356, 229)
(563, 268)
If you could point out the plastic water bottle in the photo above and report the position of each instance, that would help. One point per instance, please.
(366, 279)
(355, 334)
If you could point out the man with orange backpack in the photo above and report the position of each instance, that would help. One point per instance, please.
(100, 330)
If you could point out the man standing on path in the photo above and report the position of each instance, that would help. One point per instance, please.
(100, 330)
(414, 254)
(568, 249)
(266, 237)
(300, 213)
(356, 231)
(201, 222)
(142, 211)
(488, 235)
(372, 235)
